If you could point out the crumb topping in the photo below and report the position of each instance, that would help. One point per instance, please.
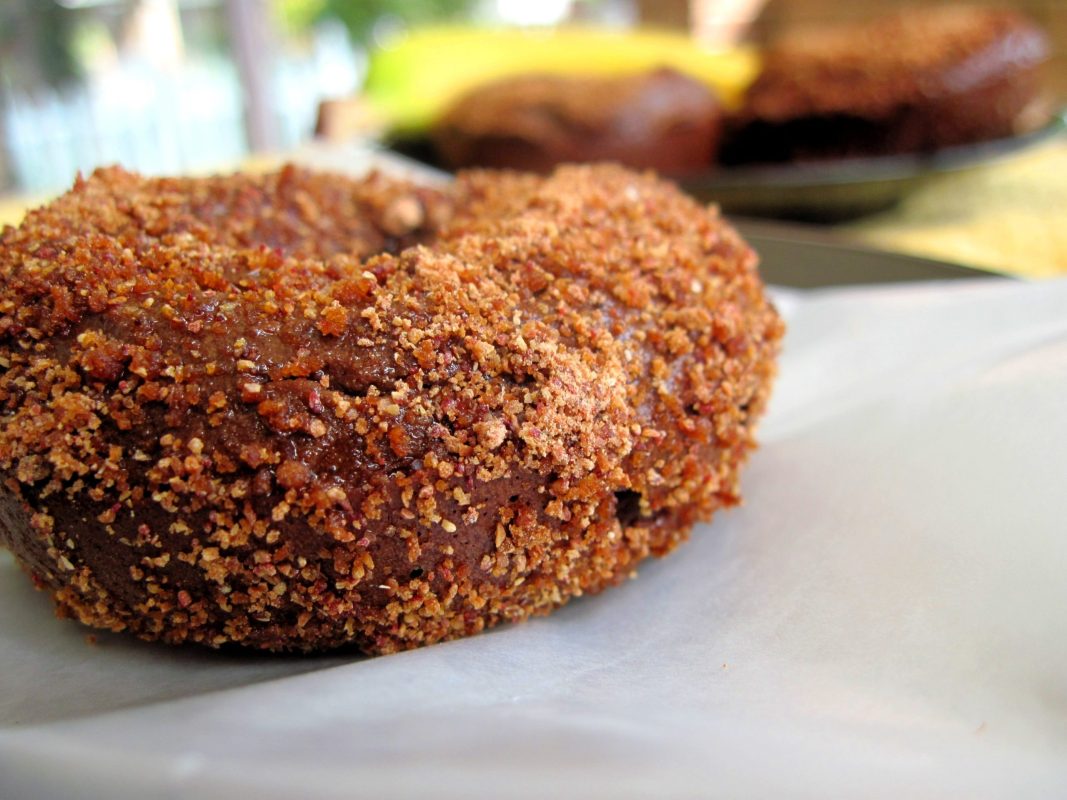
(298, 410)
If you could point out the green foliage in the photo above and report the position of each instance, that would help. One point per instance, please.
(296, 16)
(36, 43)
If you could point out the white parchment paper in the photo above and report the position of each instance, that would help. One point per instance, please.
(886, 616)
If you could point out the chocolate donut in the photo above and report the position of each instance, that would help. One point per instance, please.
(298, 411)
(660, 120)
(916, 80)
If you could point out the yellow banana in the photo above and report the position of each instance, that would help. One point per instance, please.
(412, 81)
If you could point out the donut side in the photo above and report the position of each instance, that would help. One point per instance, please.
(529, 386)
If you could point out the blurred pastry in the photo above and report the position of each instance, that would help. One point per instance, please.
(660, 120)
(917, 80)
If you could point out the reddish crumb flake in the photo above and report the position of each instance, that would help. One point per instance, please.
(109, 515)
(722, 328)
(399, 441)
(491, 433)
(184, 599)
(97, 299)
(272, 407)
(354, 291)
(403, 214)
(635, 292)
(305, 363)
(145, 363)
(251, 391)
(252, 455)
(63, 303)
(535, 278)
(333, 321)
(737, 345)
(426, 354)
(294, 475)
(262, 483)
(104, 362)
(216, 401)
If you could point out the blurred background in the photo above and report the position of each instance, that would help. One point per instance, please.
(167, 86)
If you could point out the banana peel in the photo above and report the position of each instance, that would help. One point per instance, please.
(412, 81)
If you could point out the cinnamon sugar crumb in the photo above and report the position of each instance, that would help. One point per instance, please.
(297, 411)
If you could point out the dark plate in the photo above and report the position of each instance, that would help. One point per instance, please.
(806, 258)
(827, 191)
(848, 188)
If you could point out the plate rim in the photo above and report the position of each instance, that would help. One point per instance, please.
(866, 169)
(760, 232)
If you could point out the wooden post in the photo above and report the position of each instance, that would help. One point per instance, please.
(673, 14)
(252, 42)
(6, 179)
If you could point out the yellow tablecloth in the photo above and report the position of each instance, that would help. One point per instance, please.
(1010, 216)
(12, 209)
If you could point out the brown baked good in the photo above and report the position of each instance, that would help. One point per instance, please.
(660, 120)
(916, 80)
(296, 411)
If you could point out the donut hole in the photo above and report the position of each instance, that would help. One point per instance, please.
(416, 573)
